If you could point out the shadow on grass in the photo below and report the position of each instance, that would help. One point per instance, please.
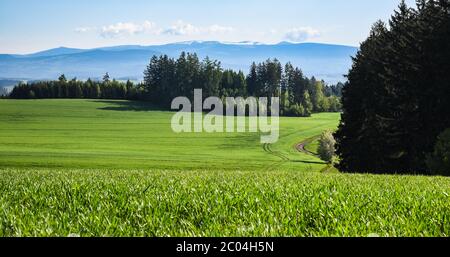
(309, 162)
(135, 106)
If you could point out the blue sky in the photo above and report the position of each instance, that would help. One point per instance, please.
(32, 25)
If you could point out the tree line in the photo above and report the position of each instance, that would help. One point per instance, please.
(396, 101)
(3, 92)
(166, 78)
(63, 88)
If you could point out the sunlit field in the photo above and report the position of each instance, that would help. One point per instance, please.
(115, 168)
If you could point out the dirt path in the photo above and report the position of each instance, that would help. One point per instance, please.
(283, 158)
(301, 146)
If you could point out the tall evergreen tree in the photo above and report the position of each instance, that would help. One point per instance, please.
(106, 78)
(252, 80)
(396, 100)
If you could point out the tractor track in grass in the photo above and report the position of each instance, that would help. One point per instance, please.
(268, 149)
(301, 147)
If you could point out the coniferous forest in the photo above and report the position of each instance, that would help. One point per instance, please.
(396, 102)
(167, 78)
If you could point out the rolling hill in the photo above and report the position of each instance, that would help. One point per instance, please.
(325, 61)
(116, 168)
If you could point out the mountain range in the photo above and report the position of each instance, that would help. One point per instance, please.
(324, 61)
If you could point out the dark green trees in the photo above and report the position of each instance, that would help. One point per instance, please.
(296, 92)
(77, 89)
(252, 80)
(439, 160)
(166, 78)
(158, 79)
(396, 100)
(106, 78)
(233, 84)
(211, 77)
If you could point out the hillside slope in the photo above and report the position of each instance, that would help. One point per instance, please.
(328, 62)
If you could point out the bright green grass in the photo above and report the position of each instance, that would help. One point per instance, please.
(313, 146)
(115, 168)
(52, 202)
(120, 134)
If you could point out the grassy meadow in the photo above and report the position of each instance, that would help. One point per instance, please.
(115, 168)
(121, 134)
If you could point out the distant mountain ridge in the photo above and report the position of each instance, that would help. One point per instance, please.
(324, 61)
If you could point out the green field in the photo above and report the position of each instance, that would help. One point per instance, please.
(313, 146)
(120, 134)
(115, 168)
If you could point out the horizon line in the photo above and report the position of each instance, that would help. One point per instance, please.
(244, 42)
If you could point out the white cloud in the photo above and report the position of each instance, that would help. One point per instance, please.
(301, 34)
(181, 28)
(217, 29)
(84, 29)
(127, 28)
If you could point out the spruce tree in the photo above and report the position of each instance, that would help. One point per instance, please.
(396, 100)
